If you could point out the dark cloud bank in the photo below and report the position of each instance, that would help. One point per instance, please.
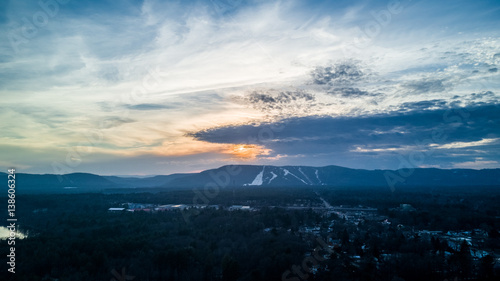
(325, 134)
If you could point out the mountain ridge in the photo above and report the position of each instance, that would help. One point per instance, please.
(261, 175)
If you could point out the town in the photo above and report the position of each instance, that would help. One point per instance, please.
(255, 233)
(361, 241)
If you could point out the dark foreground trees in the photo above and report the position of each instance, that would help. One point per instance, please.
(73, 237)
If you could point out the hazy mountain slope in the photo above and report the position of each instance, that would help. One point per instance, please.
(255, 175)
(247, 175)
(134, 182)
(75, 182)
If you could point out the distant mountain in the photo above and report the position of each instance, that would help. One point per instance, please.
(248, 175)
(135, 182)
(69, 183)
(254, 175)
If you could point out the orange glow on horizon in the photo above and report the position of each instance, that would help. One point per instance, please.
(247, 151)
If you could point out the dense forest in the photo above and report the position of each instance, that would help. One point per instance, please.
(75, 237)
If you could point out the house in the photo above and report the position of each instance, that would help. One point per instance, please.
(239, 207)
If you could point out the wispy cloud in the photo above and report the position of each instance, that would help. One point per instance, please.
(196, 78)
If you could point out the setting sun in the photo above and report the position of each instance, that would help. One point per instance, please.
(247, 151)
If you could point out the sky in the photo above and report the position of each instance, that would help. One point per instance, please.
(160, 87)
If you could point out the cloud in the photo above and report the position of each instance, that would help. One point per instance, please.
(423, 105)
(228, 62)
(482, 95)
(114, 121)
(426, 86)
(282, 103)
(342, 73)
(147, 106)
(477, 164)
(225, 7)
(378, 136)
(278, 98)
(459, 144)
(352, 92)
